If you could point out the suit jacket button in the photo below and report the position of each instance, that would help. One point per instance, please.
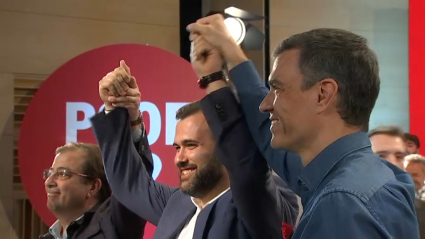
(218, 106)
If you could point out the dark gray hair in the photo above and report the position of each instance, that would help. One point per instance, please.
(344, 57)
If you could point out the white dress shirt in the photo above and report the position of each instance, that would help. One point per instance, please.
(189, 228)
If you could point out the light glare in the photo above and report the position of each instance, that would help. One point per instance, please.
(236, 28)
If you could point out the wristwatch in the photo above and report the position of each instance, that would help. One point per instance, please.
(137, 121)
(206, 80)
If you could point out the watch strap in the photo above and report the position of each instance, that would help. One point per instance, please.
(138, 121)
(206, 80)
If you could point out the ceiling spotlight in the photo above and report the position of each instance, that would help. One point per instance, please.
(236, 28)
(238, 23)
(245, 34)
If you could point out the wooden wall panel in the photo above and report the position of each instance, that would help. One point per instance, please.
(38, 44)
(39, 36)
(160, 13)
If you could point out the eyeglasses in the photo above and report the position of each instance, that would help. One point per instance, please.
(61, 174)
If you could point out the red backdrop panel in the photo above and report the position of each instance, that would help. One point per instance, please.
(416, 67)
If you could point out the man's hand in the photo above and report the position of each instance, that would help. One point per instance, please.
(119, 89)
(204, 57)
(115, 83)
(131, 101)
(213, 29)
(205, 61)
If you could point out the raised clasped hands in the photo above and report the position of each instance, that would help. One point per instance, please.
(119, 89)
(205, 58)
(213, 30)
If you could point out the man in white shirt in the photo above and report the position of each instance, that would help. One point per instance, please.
(220, 195)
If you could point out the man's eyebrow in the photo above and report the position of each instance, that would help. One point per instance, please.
(382, 152)
(63, 168)
(186, 142)
(274, 82)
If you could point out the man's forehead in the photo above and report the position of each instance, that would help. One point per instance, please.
(71, 159)
(284, 61)
(386, 138)
(387, 143)
(194, 126)
(410, 142)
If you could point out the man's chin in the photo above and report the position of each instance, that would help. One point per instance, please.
(184, 185)
(52, 206)
(276, 143)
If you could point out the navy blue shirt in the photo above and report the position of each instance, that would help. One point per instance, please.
(347, 191)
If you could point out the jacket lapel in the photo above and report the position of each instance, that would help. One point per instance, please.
(172, 222)
(90, 225)
(202, 220)
(90, 230)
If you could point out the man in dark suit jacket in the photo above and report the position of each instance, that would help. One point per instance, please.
(220, 193)
(79, 196)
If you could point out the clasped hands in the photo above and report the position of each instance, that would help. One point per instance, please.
(119, 89)
(212, 46)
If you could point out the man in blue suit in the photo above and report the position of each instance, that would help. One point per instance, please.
(226, 187)
(323, 88)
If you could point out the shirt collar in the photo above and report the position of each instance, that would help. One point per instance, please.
(56, 229)
(421, 190)
(313, 174)
(211, 201)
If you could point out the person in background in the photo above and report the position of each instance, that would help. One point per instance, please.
(415, 165)
(412, 143)
(323, 87)
(79, 196)
(388, 142)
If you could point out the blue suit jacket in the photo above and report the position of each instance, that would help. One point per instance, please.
(255, 206)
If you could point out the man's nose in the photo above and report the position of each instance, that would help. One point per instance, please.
(181, 157)
(267, 103)
(50, 182)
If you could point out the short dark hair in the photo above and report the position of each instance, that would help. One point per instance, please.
(188, 110)
(344, 57)
(92, 167)
(387, 130)
(413, 138)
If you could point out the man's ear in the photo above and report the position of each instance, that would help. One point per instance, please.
(95, 187)
(326, 93)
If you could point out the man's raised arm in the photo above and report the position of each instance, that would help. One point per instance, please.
(127, 223)
(251, 91)
(258, 200)
(127, 169)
